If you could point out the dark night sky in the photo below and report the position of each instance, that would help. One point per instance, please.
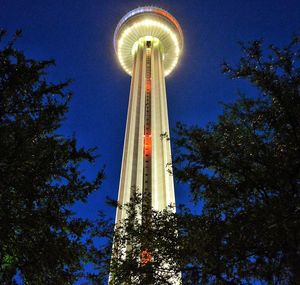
(79, 34)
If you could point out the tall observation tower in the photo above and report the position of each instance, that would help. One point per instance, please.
(148, 42)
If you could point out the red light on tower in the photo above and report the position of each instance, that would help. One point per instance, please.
(146, 257)
(148, 85)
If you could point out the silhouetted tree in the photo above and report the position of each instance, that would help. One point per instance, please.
(245, 169)
(144, 250)
(41, 240)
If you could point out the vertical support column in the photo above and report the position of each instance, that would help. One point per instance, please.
(147, 150)
(162, 180)
(165, 137)
(157, 187)
(131, 179)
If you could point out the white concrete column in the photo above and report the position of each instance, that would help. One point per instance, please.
(133, 162)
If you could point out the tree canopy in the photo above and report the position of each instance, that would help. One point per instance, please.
(41, 240)
(245, 168)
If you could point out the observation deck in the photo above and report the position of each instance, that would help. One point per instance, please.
(149, 22)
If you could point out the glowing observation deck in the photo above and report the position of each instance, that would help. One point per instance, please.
(152, 22)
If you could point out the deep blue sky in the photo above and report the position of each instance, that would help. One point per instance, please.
(79, 34)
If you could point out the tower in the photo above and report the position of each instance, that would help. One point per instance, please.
(148, 42)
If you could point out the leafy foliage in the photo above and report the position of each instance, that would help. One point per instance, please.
(144, 242)
(245, 168)
(41, 239)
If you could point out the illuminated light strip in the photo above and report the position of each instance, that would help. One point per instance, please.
(150, 24)
(170, 17)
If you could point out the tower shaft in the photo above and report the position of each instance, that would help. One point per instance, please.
(147, 151)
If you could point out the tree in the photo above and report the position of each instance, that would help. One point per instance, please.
(244, 168)
(143, 250)
(41, 240)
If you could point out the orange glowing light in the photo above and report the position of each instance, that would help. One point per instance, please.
(148, 85)
(147, 144)
(146, 257)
